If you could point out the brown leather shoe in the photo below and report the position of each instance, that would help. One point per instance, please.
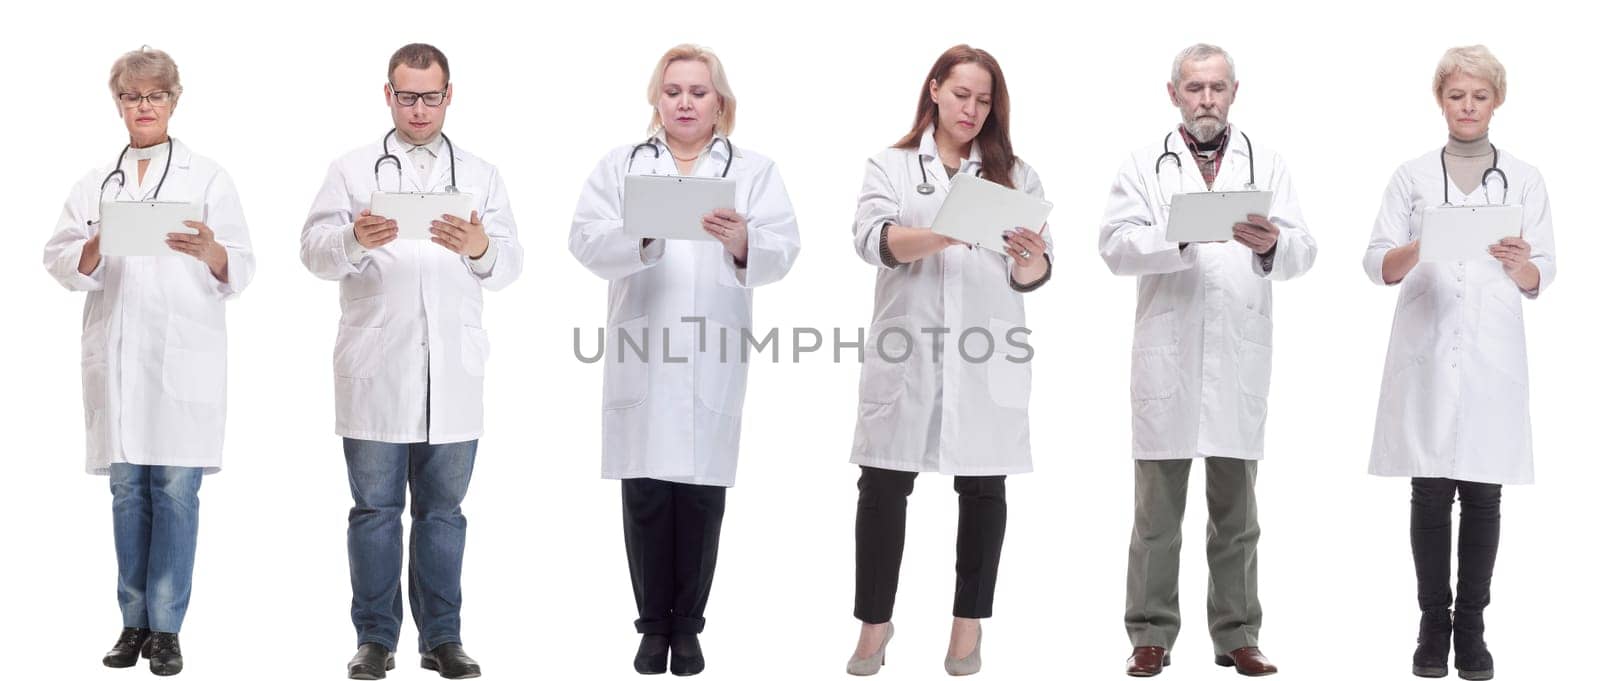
(1148, 660)
(1248, 661)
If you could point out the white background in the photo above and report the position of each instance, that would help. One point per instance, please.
(275, 93)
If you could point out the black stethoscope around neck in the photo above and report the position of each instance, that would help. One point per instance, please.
(1167, 152)
(656, 152)
(926, 187)
(1493, 169)
(122, 177)
(450, 188)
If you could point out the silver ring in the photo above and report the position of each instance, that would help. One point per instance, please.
(1026, 254)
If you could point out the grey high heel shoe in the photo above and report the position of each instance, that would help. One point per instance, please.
(970, 664)
(867, 666)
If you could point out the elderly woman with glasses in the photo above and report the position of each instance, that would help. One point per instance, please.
(154, 349)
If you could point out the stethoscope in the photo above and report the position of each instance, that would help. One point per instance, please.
(1493, 169)
(450, 188)
(926, 187)
(656, 152)
(1167, 152)
(122, 177)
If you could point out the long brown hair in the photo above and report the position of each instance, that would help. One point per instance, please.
(994, 140)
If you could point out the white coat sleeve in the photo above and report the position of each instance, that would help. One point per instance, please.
(329, 226)
(1133, 239)
(1035, 188)
(501, 264)
(773, 236)
(65, 247)
(1392, 228)
(225, 216)
(877, 207)
(596, 239)
(1296, 250)
(1538, 232)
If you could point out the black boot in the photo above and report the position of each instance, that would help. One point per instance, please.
(1473, 661)
(687, 659)
(652, 655)
(125, 653)
(451, 661)
(1433, 645)
(166, 658)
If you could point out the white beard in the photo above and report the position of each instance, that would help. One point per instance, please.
(1204, 129)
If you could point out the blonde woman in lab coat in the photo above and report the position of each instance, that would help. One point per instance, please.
(670, 426)
(956, 405)
(1453, 407)
(154, 352)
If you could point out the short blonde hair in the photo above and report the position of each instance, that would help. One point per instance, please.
(719, 80)
(145, 63)
(1475, 61)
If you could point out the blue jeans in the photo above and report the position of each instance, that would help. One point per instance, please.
(437, 476)
(155, 518)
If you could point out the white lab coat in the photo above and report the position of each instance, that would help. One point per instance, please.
(676, 417)
(940, 410)
(1202, 339)
(410, 356)
(154, 337)
(1454, 399)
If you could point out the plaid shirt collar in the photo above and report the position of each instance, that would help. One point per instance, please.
(1208, 162)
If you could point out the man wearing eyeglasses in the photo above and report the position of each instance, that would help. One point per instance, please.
(409, 360)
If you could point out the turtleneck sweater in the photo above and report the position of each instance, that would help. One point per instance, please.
(1465, 161)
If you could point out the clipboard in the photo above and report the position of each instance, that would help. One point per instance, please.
(1210, 216)
(141, 227)
(1465, 233)
(671, 206)
(414, 212)
(980, 212)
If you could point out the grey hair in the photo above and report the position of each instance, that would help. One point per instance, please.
(1197, 52)
(145, 63)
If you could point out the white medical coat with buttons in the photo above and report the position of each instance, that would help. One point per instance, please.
(1202, 339)
(1454, 397)
(676, 414)
(155, 343)
(411, 351)
(925, 404)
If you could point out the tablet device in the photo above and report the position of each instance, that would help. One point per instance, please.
(980, 212)
(414, 212)
(1465, 233)
(141, 227)
(1210, 216)
(671, 206)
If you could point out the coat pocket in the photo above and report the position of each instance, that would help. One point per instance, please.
(474, 350)
(883, 368)
(1255, 355)
(1155, 358)
(1010, 380)
(627, 373)
(358, 352)
(194, 367)
(721, 376)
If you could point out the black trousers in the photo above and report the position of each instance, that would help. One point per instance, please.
(671, 531)
(1431, 502)
(881, 541)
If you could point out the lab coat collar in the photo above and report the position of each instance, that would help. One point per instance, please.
(714, 152)
(438, 175)
(930, 151)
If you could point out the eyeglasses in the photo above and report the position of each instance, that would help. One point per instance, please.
(159, 98)
(404, 98)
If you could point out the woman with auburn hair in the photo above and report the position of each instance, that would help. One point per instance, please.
(671, 414)
(1453, 406)
(959, 404)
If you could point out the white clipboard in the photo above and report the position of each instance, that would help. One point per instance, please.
(414, 212)
(1209, 216)
(980, 212)
(141, 227)
(671, 206)
(1465, 233)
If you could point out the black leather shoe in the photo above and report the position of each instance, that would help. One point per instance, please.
(451, 661)
(372, 661)
(652, 655)
(1432, 657)
(126, 651)
(166, 658)
(687, 659)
